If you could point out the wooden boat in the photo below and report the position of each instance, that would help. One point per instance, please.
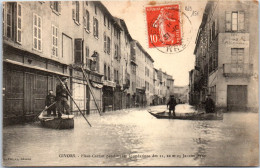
(65, 122)
(187, 116)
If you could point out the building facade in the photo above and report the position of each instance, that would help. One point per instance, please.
(227, 55)
(163, 87)
(139, 55)
(46, 40)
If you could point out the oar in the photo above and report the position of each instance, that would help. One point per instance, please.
(90, 89)
(45, 109)
(74, 101)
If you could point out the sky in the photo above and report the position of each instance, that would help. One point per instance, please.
(176, 64)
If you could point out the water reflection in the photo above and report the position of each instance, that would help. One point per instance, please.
(135, 138)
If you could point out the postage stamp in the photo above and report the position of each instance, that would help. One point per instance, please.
(163, 25)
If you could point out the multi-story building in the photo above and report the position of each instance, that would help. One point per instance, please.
(139, 54)
(227, 55)
(149, 87)
(163, 87)
(144, 77)
(156, 86)
(125, 43)
(39, 46)
(99, 44)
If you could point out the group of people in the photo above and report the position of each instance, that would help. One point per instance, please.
(60, 101)
(209, 105)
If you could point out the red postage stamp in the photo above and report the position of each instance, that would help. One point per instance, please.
(163, 25)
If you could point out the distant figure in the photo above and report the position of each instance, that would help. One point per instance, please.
(62, 97)
(50, 99)
(172, 103)
(209, 105)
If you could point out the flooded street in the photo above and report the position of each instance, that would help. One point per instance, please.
(133, 137)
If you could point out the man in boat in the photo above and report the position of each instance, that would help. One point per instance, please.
(62, 97)
(209, 104)
(172, 103)
(50, 99)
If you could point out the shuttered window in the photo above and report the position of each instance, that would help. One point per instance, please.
(19, 23)
(87, 51)
(37, 32)
(86, 21)
(105, 23)
(105, 43)
(105, 72)
(95, 27)
(235, 21)
(3, 20)
(75, 12)
(108, 73)
(12, 21)
(78, 54)
(9, 16)
(54, 41)
(241, 21)
(115, 51)
(108, 24)
(56, 7)
(228, 21)
(108, 45)
(237, 55)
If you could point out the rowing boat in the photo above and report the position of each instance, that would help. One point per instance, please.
(187, 116)
(65, 122)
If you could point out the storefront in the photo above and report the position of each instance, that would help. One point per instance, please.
(27, 78)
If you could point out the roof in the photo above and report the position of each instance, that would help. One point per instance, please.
(105, 10)
(140, 46)
(123, 25)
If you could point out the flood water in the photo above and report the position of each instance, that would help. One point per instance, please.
(133, 137)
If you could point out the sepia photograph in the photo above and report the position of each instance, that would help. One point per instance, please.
(130, 83)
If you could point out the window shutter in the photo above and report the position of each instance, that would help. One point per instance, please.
(35, 30)
(59, 6)
(78, 11)
(228, 21)
(39, 33)
(84, 22)
(108, 45)
(19, 23)
(78, 48)
(94, 25)
(73, 14)
(3, 15)
(241, 21)
(216, 27)
(51, 4)
(105, 43)
(115, 52)
(97, 27)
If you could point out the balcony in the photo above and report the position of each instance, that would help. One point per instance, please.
(237, 70)
(90, 64)
(109, 83)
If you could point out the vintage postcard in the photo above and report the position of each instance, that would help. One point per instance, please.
(130, 83)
